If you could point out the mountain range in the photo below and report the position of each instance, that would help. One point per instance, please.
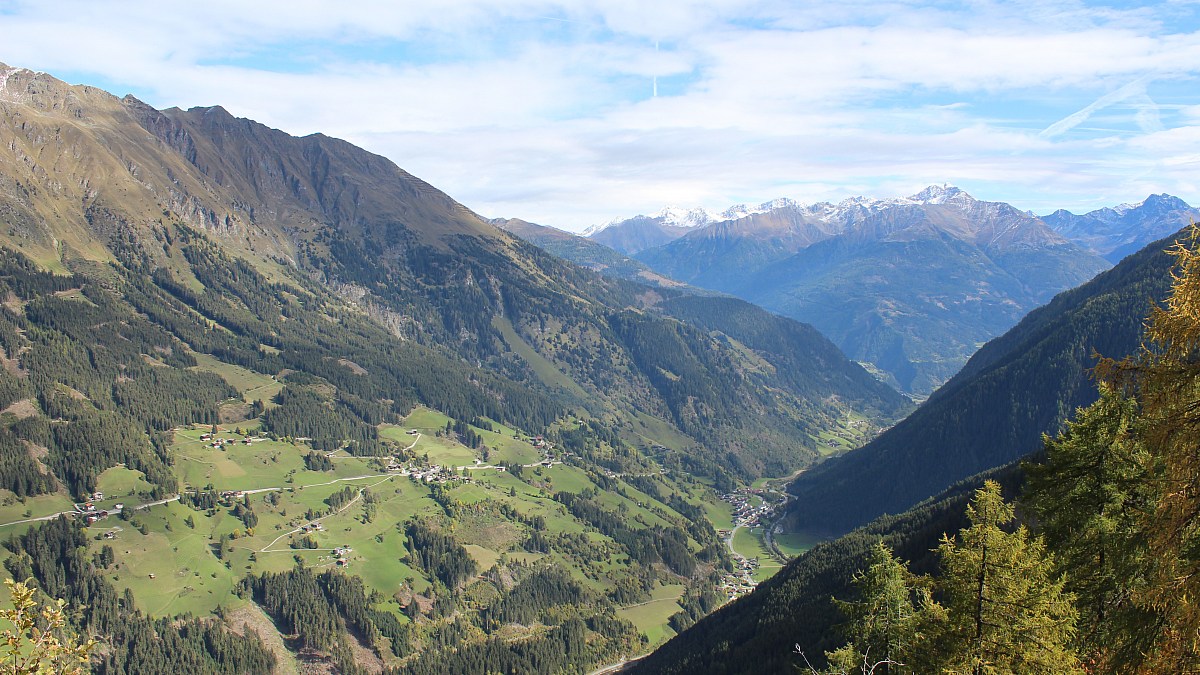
(271, 403)
(285, 356)
(911, 286)
(1124, 229)
(88, 176)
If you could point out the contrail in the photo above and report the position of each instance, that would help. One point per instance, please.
(1137, 89)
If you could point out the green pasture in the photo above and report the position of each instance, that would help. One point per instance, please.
(261, 464)
(12, 509)
(120, 481)
(796, 543)
(651, 617)
(252, 385)
(171, 569)
(545, 370)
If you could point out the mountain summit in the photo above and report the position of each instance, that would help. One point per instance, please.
(1121, 230)
(910, 285)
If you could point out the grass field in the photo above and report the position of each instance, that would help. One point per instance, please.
(546, 371)
(749, 543)
(252, 386)
(176, 558)
(12, 509)
(650, 617)
(119, 481)
(720, 514)
(795, 543)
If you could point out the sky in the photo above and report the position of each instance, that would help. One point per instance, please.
(576, 112)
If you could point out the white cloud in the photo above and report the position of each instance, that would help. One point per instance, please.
(542, 109)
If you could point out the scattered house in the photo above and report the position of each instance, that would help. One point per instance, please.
(97, 496)
(151, 575)
(118, 507)
(110, 535)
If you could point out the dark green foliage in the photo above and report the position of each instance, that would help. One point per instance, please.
(546, 588)
(1091, 493)
(318, 461)
(1005, 607)
(553, 652)
(340, 498)
(438, 554)
(18, 471)
(55, 556)
(320, 609)
(1016, 388)
(646, 545)
(758, 632)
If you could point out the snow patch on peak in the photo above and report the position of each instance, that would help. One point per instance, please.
(4, 75)
(593, 229)
(780, 203)
(940, 194)
(680, 217)
(1126, 207)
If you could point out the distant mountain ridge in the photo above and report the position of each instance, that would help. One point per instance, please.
(911, 285)
(1016, 388)
(1124, 229)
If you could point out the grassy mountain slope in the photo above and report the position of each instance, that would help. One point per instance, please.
(90, 177)
(1016, 388)
(113, 382)
(502, 447)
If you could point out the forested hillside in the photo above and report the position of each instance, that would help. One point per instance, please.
(758, 633)
(1092, 570)
(283, 386)
(1016, 388)
(388, 245)
(120, 408)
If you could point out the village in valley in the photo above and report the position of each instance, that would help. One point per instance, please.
(249, 501)
(756, 511)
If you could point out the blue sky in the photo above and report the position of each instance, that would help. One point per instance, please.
(546, 110)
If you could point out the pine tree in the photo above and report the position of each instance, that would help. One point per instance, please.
(884, 625)
(1091, 496)
(1006, 611)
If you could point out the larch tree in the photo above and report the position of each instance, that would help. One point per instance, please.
(1006, 610)
(36, 640)
(884, 625)
(1165, 379)
(1091, 496)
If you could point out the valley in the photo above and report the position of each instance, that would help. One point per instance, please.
(272, 404)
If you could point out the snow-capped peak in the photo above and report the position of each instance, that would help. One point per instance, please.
(681, 217)
(1126, 207)
(939, 194)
